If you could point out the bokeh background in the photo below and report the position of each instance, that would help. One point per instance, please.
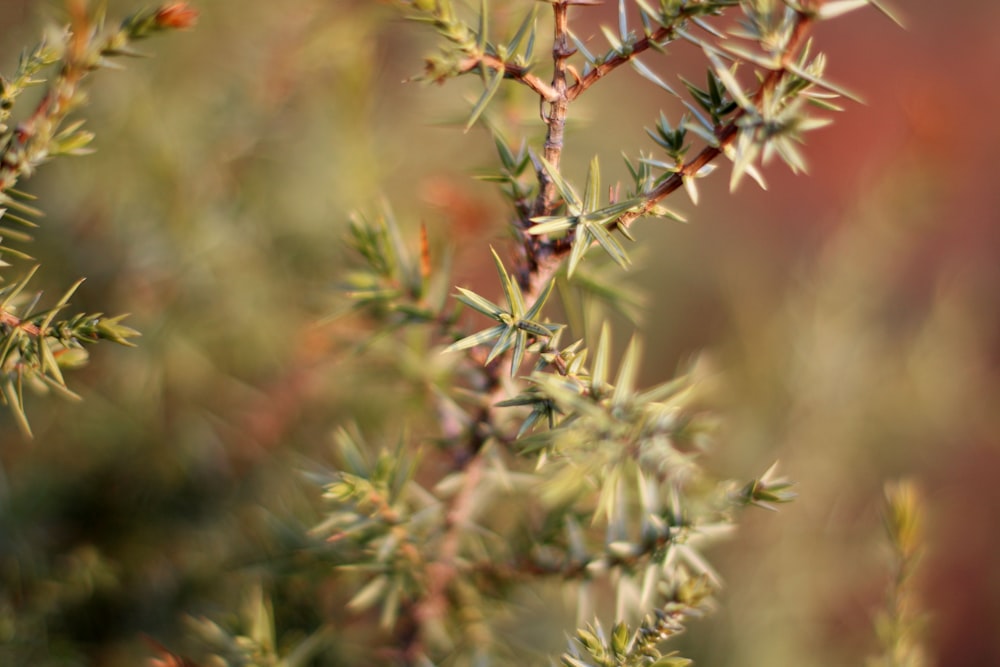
(852, 316)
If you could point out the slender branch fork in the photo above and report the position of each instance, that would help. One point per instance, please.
(545, 257)
(511, 71)
(541, 259)
(726, 134)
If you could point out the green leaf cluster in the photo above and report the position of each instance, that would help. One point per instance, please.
(35, 347)
(587, 219)
(517, 324)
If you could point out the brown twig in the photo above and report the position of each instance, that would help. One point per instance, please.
(513, 71)
(598, 72)
(547, 257)
(14, 322)
(541, 258)
(444, 569)
(548, 195)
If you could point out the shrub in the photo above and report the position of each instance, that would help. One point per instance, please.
(526, 456)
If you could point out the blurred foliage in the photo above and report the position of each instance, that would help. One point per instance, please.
(161, 476)
(214, 212)
(901, 630)
(35, 346)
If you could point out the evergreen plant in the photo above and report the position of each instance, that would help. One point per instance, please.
(530, 458)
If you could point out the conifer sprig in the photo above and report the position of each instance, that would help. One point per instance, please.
(618, 467)
(566, 466)
(35, 346)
